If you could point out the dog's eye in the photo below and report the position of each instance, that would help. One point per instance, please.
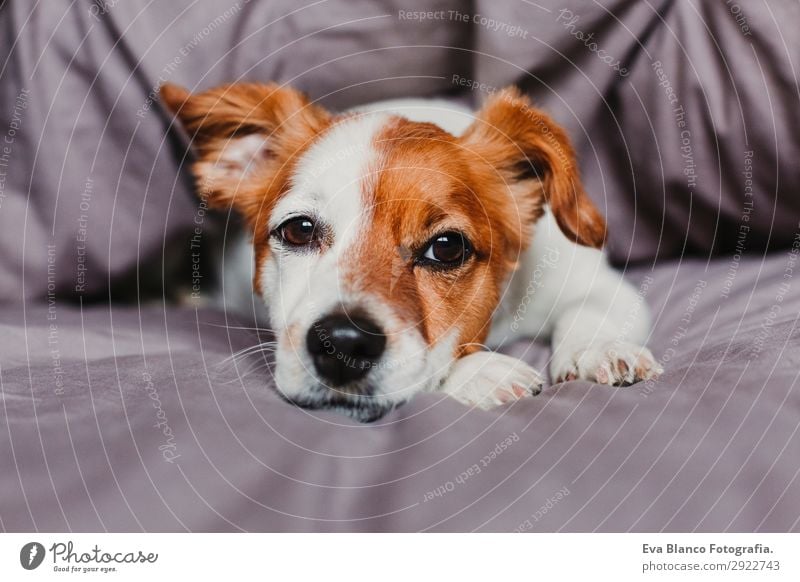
(448, 249)
(298, 231)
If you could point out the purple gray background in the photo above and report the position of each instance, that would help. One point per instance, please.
(127, 419)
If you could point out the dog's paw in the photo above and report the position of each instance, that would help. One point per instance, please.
(488, 379)
(611, 363)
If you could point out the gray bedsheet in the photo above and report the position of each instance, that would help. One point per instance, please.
(153, 430)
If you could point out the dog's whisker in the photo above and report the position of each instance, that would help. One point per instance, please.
(240, 371)
(240, 357)
(245, 353)
(253, 369)
(271, 343)
(266, 347)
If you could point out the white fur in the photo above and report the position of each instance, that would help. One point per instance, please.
(488, 379)
(301, 288)
(562, 292)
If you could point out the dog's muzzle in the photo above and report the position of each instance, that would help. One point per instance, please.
(345, 348)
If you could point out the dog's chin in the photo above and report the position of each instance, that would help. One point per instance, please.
(361, 413)
(361, 408)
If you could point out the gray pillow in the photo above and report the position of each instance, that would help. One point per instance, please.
(684, 113)
(95, 193)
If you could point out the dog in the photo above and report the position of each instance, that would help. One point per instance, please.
(393, 242)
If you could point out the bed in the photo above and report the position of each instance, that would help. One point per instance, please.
(122, 409)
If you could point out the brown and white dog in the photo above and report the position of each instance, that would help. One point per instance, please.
(387, 242)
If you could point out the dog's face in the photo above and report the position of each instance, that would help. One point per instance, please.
(382, 245)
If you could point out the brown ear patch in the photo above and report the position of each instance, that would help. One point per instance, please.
(246, 137)
(535, 158)
(241, 109)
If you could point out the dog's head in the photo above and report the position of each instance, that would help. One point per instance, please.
(382, 245)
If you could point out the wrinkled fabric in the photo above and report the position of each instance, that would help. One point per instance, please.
(132, 419)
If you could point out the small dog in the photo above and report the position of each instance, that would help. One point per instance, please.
(386, 241)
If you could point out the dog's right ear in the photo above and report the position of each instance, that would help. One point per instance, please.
(245, 136)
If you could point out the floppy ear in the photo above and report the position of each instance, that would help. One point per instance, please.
(534, 157)
(244, 136)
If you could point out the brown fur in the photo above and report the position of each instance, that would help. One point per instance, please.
(423, 187)
(491, 184)
(511, 135)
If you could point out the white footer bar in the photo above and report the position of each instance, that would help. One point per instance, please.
(401, 557)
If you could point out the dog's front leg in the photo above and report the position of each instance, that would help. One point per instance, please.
(488, 379)
(602, 340)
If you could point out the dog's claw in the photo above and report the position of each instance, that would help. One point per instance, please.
(617, 364)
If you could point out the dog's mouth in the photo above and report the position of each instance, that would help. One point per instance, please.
(358, 407)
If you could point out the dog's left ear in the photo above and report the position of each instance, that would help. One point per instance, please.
(534, 157)
(244, 136)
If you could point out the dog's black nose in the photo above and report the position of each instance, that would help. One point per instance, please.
(344, 348)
